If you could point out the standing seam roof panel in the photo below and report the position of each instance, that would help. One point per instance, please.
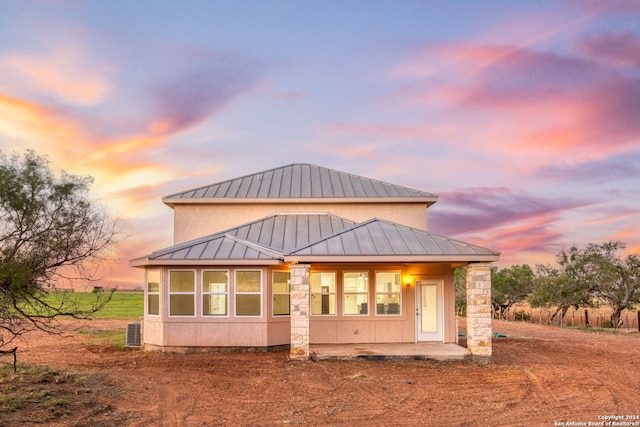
(325, 182)
(265, 185)
(336, 185)
(302, 181)
(277, 184)
(212, 249)
(366, 243)
(279, 228)
(378, 236)
(393, 238)
(350, 243)
(411, 241)
(288, 186)
(347, 186)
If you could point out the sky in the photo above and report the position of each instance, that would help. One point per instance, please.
(522, 116)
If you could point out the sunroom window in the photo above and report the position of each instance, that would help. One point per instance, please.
(248, 293)
(215, 289)
(181, 293)
(281, 293)
(153, 292)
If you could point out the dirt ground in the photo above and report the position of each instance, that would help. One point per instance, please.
(540, 375)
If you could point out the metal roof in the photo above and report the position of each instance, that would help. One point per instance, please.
(381, 238)
(263, 240)
(299, 181)
(300, 237)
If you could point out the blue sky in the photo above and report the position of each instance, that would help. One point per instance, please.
(522, 116)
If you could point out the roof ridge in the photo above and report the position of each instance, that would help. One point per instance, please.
(258, 247)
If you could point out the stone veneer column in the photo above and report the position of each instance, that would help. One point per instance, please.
(300, 310)
(479, 329)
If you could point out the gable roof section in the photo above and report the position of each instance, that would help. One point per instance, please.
(302, 182)
(380, 240)
(320, 237)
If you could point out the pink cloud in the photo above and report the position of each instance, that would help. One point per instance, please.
(621, 48)
(564, 104)
(500, 215)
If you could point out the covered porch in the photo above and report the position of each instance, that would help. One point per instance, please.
(418, 351)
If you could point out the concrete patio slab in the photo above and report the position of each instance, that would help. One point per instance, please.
(420, 351)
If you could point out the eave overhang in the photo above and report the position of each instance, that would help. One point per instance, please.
(465, 259)
(146, 262)
(172, 201)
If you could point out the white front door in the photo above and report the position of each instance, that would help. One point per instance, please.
(429, 310)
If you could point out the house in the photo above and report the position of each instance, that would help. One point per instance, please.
(302, 255)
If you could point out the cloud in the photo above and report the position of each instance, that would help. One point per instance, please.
(481, 209)
(622, 48)
(566, 104)
(194, 94)
(62, 74)
(611, 168)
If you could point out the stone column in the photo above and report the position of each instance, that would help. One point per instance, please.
(479, 329)
(300, 310)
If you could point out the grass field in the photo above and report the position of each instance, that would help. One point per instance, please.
(123, 304)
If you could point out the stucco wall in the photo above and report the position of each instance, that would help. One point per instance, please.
(164, 331)
(192, 221)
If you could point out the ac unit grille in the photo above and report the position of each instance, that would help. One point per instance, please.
(133, 334)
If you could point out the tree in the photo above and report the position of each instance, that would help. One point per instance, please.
(50, 234)
(613, 279)
(562, 287)
(509, 286)
(460, 281)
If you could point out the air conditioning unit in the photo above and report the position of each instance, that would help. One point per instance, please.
(133, 334)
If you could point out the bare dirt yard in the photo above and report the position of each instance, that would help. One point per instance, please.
(540, 375)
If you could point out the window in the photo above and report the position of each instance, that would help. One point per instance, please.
(323, 293)
(281, 293)
(356, 292)
(181, 293)
(215, 288)
(388, 287)
(153, 292)
(248, 293)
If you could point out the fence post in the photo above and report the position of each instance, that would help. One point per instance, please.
(586, 317)
(638, 321)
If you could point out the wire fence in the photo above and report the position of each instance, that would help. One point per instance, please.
(594, 317)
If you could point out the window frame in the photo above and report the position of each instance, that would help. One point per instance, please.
(274, 293)
(203, 293)
(399, 292)
(356, 293)
(193, 293)
(154, 293)
(236, 293)
(334, 293)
